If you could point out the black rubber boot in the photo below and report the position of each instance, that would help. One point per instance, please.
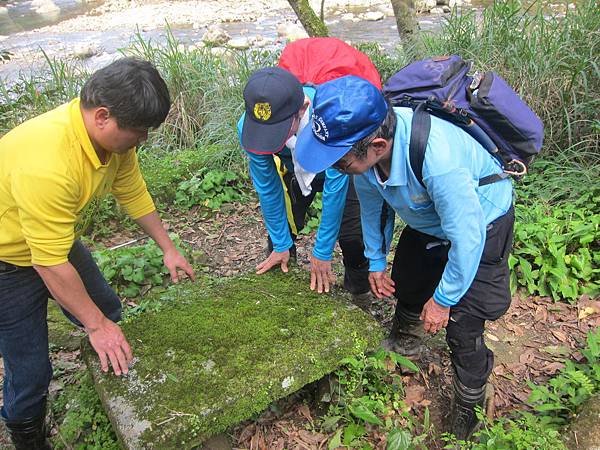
(30, 434)
(464, 416)
(407, 335)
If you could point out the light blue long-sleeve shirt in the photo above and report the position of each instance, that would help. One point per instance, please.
(452, 208)
(272, 201)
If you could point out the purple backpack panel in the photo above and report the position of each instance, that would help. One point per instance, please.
(444, 78)
(486, 101)
(509, 122)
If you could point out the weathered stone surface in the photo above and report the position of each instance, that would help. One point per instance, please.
(218, 352)
(584, 432)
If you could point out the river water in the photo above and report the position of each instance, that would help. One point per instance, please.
(18, 17)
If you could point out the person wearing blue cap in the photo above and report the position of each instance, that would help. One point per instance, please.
(450, 268)
(276, 107)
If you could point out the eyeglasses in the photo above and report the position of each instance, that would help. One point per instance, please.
(359, 148)
(342, 165)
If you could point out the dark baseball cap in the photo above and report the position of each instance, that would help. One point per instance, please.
(272, 97)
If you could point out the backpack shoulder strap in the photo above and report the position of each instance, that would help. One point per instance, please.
(419, 135)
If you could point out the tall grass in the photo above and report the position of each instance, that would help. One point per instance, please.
(56, 83)
(552, 61)
(206, 91)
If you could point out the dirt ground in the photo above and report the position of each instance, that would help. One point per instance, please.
(530, 341)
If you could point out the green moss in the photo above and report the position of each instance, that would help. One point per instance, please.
(222, 351)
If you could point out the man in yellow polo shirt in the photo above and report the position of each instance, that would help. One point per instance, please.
(54, 171)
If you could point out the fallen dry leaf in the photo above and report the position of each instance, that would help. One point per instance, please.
(560, 335)
(541, 314)
(305, 412)
(414, 395)
(586, 312)
(492, 337)
(552, 368)
(527, 358)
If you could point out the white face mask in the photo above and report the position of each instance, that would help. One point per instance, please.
(291, 142)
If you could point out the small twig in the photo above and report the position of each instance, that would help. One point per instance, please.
(125, 244)
(174, 415)
(425, 379)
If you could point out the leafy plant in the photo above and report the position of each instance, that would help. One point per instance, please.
(557, 247)
(132, 271)
(562, 398)
(313, 215)
(367, 394)
(528, 432)
(82, 423)
(210, 189)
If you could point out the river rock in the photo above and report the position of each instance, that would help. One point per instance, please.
(453, 3)
(446, 9)
(349, 17)
(215, 35)
(3, 11)
(261, 41)
(291, 31)
(219, 351)
(584, 433)
(437, 10)
(45, 7)
(425, 5)
(239, 43)
(373, 16)
(86, 50)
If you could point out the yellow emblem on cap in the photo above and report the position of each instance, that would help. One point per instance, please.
(262, 111)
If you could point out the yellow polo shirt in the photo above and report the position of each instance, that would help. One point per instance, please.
(52, 182)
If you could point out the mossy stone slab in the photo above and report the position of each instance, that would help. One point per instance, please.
(219, 352)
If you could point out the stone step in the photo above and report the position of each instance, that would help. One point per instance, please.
(218, 352)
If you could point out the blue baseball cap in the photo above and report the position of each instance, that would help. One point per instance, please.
(345, 111)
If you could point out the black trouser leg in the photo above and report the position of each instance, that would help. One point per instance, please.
(418, 264)
(472, 360)
(356, 274)
(300, 203)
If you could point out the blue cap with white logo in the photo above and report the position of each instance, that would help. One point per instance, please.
(345, 111)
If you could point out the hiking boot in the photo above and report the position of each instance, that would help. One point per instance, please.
(29, 434)
(405, 338)
(464, 416)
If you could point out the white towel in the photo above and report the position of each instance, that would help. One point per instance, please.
(303, 177)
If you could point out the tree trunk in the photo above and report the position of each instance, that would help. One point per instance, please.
(309, 20)
(404, 10)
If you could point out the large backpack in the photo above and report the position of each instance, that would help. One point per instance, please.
(317, 60)
(484, 105)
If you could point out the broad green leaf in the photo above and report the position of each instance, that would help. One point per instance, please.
(336, 440)
(398, 440)
(360, 411)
